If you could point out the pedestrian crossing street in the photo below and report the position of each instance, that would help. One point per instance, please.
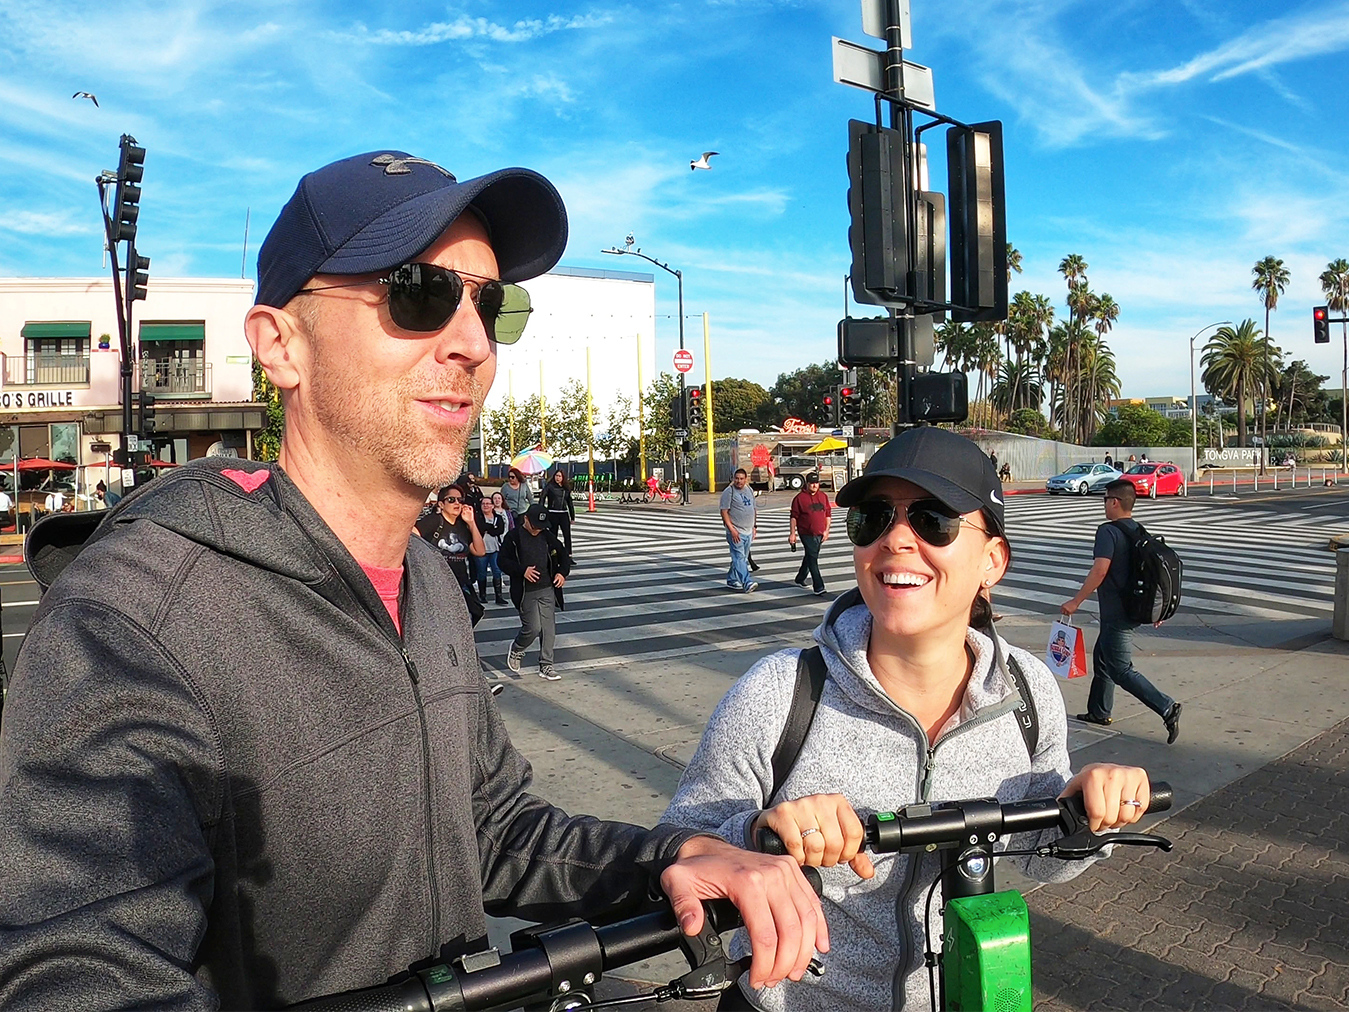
(650, 580)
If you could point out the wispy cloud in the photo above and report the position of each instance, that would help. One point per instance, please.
(1296, 37)
(53, 223)
(465, 27)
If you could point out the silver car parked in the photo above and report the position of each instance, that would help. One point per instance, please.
(1082, 479)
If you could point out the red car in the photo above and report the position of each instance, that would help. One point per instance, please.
(1156, 478)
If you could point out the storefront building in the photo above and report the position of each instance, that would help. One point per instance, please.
(60, 365)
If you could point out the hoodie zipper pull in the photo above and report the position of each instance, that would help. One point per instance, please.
(929, 765)
(411, 666)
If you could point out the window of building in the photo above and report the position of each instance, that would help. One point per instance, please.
(54, 353)
(173, 357)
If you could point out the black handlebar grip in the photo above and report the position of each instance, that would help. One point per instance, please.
(406, 996)
(1159, 796)
(767, 841)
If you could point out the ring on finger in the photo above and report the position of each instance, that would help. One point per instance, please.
(1135, 804)
(806, 832)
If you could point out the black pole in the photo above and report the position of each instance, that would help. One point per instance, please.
(684, 442)
(123, 315)
(901, 120)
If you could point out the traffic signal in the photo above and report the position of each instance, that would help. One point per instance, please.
(831, 401)
(697, 420)
(878, 232)
(1321, 324)
(126, 203)
(679, 410)
(850, 405)
(138, 276)
(978, 217)
(147, 413)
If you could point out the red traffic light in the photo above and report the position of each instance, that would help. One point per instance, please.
(695, 393)
(1319, 313)
(828, 400)
(845, 392)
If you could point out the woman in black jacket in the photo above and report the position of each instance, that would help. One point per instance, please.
(555, 496)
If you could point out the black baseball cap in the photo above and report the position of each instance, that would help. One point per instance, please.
(374, 211)
(537, 514)
(942, 463)
(812, 478)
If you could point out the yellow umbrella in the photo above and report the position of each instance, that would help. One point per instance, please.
(826, 445)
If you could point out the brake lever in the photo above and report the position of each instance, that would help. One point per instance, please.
(1084, 843)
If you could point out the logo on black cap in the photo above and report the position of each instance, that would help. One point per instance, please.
(399, 166)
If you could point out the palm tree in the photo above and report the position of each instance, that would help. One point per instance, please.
(986, 355)
(1271, 278)
(1104, 311)
(1335, 285)
(1074, 270)
(1231, 360)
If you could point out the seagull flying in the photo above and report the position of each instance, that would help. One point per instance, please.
(701, 163)
(87, 94)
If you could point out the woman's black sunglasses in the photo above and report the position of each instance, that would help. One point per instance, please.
(930, 519)
(424, 297)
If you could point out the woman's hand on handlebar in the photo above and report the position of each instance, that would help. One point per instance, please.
(1105, 789)
(781, 912)
(839, 840)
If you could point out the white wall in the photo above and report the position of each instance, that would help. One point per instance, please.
(610, 316)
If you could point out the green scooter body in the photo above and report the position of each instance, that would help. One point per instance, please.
(986, 953)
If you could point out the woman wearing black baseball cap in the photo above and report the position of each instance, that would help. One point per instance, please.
(919, 704)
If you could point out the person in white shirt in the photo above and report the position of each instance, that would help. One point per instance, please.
(54, 502)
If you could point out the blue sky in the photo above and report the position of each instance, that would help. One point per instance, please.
(1171, 143)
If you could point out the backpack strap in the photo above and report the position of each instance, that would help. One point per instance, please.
(1027, 719)
(810, 675)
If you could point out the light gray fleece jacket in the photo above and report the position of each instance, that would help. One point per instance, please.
(865, 747)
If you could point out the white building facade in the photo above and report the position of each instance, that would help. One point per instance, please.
(60, 365)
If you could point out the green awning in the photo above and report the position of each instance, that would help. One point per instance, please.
(173, 332)
(59, 328)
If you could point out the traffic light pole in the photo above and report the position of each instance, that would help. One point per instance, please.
(901, 119)
(123, 313)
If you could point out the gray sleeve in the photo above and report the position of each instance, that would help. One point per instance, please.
(728, 781)
(726, 498)
(110, 782)
(1051, 769)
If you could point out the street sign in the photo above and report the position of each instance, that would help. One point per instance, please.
(873, 21)
(128, 477)
(839, 432)
(683, 360)
(864, 68)
(133, 443)
(849, 430)
(681, 433)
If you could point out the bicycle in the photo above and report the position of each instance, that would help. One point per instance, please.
(560, 964)
(985, 962)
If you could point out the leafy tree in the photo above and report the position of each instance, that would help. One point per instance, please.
(737, 404)
(800, 394)
(1135, 425)
(267, 440)
(498, 428)
(614, 441)
(1029, 422)
(568, 432)
(879, 396)
(657, 404)
(1017, 387)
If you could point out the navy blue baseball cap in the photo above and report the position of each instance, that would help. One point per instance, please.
(374, 211)
(942, 463)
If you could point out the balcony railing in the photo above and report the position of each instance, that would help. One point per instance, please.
(175, 377)
(46, 370)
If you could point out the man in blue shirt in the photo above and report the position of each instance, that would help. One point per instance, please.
(737, 513)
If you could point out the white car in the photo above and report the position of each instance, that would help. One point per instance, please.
(1082, 479)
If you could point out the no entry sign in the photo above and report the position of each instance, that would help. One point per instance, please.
(683, 360)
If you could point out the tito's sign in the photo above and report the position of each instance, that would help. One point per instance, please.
(26, 400)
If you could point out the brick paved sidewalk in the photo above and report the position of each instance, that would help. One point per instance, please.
(1249, 911)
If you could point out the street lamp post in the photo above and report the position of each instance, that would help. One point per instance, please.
(628, 250)
(1194, 407)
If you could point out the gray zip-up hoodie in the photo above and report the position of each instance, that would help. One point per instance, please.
(226, 778)
(863, 746)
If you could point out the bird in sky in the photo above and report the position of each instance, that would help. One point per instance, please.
(87, 94)
(701, 163)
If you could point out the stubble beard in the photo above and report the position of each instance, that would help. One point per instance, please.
(385, 424)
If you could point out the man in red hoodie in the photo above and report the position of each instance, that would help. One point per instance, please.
(810, 522)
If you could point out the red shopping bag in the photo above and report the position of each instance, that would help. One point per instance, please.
(1066, 653)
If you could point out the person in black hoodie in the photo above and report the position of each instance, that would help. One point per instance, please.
(249, 755)
(538, 566)
(555, 496)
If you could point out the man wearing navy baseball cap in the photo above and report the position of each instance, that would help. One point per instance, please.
(249, 755)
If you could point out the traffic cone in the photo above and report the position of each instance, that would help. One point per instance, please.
(590, 495)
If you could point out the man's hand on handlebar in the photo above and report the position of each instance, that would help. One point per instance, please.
(838, 839)
(781, 912)
(1106, 790)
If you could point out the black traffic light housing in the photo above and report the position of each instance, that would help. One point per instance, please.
(1321, 324)
(679, 410)
(850, 402)
(126, 202)
(878, 232)
(146, 403)
(831, 407)
(138, 275)
(978, 222)
(697, 419)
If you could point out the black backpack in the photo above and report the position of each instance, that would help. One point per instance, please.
(810, 676)
(1153, 592)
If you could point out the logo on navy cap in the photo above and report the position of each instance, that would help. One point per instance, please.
(399, 166)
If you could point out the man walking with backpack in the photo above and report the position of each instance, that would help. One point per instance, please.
(1112, 659)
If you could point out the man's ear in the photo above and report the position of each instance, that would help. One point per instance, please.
(279, 341)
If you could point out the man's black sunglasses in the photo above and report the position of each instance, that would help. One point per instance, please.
(930, 519)
(424, 297)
